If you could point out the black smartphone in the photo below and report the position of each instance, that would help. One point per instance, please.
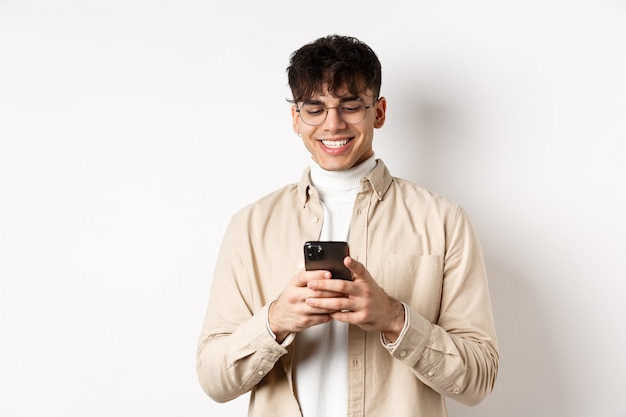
(329, 256)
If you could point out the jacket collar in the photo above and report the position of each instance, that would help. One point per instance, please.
(379, 180)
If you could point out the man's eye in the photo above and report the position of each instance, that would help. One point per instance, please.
(351, 107)
(314, 111)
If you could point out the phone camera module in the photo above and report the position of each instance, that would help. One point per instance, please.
(315, 252)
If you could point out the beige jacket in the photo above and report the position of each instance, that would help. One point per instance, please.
(420, 248)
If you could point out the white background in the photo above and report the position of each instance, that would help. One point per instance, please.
(130, 131)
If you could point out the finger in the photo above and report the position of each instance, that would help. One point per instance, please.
(357, 268)
(302, 278)
(330, 305)
(325, 294)
(318, 311)
(336, 287)
(344, 315)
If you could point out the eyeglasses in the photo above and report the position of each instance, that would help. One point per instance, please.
(351, 112)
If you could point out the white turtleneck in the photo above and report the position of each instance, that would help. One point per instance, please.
(321, 364)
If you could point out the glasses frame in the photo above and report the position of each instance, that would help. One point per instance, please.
(298, 110)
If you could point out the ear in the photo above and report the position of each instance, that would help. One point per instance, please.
(381, 111)
(295, 118)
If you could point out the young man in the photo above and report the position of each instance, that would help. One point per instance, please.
(415, 323)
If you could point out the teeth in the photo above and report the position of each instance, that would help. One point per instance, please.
(335, 143)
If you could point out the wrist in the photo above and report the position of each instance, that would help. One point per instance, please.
(397, 322)
(272, 326)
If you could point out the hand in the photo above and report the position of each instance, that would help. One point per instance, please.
(365, 303)
(289, 313)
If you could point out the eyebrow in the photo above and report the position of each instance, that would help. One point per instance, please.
(341, 100)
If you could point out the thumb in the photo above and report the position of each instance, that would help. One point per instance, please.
(357, 268)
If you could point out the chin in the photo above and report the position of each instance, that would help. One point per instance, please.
(336, 166)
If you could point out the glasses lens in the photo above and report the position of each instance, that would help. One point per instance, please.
(312, 114)
(351, 112)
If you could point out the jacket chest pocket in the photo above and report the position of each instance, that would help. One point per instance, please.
(416, 281)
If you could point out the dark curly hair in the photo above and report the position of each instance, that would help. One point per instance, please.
(338, 61)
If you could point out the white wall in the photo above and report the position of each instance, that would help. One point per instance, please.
(131, 130)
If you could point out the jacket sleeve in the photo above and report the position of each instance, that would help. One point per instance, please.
(458, 355)
(235, 349)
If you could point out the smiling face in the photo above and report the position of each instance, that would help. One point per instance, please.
(334, 144)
